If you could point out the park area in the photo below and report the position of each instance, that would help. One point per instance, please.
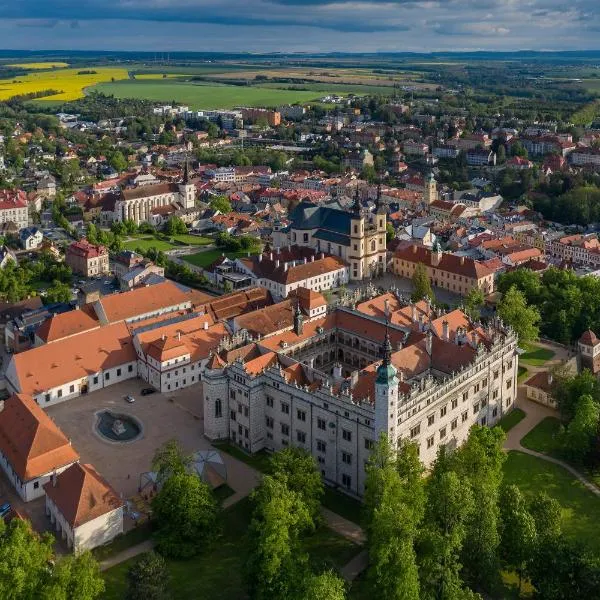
(218, 573)
(208, 257)
(147, 241)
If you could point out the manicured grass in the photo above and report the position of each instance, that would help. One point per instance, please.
(523, 374)
(192, 240)
(207, 257)
(259, 461)
(343, 505)
(131, 538)
(535, 356)
(543, 437)
(148, 242)
(511, 419)
(218, 573)
(580, 508)
(205, 96)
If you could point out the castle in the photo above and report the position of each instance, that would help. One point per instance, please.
(329, 385)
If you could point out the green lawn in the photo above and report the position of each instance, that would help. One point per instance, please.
(197, 95)
(218, 573)
(535, 356)
(511, 419)
(259, 460)
(580, 508)
(207, 257)
(543, 437)
(131, 538)
(147, 242)
(192, 240)
(523, 374)
(343, 505)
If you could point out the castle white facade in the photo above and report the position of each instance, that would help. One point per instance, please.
(322, 386)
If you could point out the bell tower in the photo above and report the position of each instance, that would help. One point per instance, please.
(187, 190)
(430, 193)
(357, 240)
(386, 391)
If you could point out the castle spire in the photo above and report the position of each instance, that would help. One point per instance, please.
(386, 348)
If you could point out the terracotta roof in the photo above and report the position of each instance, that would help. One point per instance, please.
(86, 250)
(145, 191)
(308, 299)
(257, 365)
(237, 303)
(588, 338)
(215, 362)
(30, 440)
(81, 494)
(40, 369)
(143, 300)
(66, 324)
(541, 380)
(460, 265)
(268, 320)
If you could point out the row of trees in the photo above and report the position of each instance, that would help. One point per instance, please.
(448, 536)
(566, 305)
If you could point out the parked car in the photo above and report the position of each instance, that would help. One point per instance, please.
(4, 509)
(130, 399)
(148, 391)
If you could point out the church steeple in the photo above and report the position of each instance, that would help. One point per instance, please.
(298, 319)
(186, 170)
(357, 206)
(386, 389)
(386, 371)
(379, 206)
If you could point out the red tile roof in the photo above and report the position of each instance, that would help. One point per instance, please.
(81, 494)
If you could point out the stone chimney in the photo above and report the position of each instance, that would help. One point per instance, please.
(550, 378)
(322, 256)
(205, 325)
(337, 371)
(285, 266)
(445, 330)
(354, 378)
(414, 248)
(474, 339)
(179, 336)
(305, 260)
(413, 312)
(429, 343)
(277, 263)
(312, 258)
(260, 257)
(270, 256)
(462, 260)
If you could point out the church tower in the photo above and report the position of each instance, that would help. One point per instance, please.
(430, 193)
(187, 190)
(298, 320)
(386, 391)
(357, 240)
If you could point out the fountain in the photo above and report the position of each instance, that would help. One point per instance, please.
(117, 427)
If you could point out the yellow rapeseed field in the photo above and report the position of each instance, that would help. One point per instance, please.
(67, 81)
(40, 65)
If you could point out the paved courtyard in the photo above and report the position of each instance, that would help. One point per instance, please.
(178, 415)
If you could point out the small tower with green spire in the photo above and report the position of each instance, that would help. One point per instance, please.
(386, 390)
(187, 190)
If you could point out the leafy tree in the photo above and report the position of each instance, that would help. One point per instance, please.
(518, 533)
(524, 319)
(130, 227)
(473, 302)
(175, 226)
(58, 292)
(170, 459)
(276, 565)
(526, 280)
(76, 578)
(185, 515)
(421, 284)
(546, 513)
(390, 232)
(118, 228)
(298, 470)
(221, 203)
(91, 233)
(326, 586)
(148, 578)
(568, 389)
(117, 161)
(582, 430)
(480, 461)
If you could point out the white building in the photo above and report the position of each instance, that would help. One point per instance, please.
(32, 447)
(13, 207)
(84, 509)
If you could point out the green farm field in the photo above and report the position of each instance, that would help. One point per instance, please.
(205, 96)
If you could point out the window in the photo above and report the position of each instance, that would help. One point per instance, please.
(270, 422)
(415, 431)
(495, 394)
(285, 408)
(107, 376)
(454, 424)
(245, 432)
(321, 446)
(130, 368)
(240, 408)
(270, 401)
(465, 396)
(369, 444)
(346, 480)
(240, 429)
(36, 484)
(477, 386)
(232, 394)
(429, 442)
(245, 409)
(285, 429)
(496, 374)
(495, 412)
(484, 382)
(118, 372)
(347, 458)
(232, 415)
(443, 411)
(442, 433)
(321, 424)
(301, 436)
(301, 415)
(475, 408)
(218, 409)
(509, 365)
(430, 420)
(71, 389)
(95, 379)
(47, 397)
(346, 435)
(59, 393)
(465, 416)
(484, 403)
(508, 384)
(454, 403)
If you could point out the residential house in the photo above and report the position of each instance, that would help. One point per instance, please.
(87, 259)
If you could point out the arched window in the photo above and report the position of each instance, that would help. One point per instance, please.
(372, 245)
(218, 409)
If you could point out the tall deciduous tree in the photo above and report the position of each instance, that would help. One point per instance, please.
(421, 284)
(473, 302)
(298, 470)
(170, 459)
(276, 566)
(524, 319)
(221, 203)
(185, 515)
(518, 532)
(326, 586)
(582, 430)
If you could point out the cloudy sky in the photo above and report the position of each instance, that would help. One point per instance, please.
(300, 25)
